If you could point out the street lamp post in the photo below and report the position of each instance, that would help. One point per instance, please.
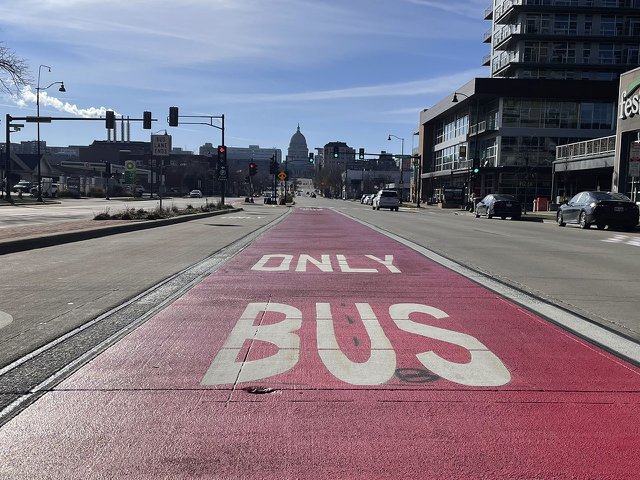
(38, 88)
(401, 162)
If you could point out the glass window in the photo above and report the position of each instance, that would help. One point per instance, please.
(608, 26)
(606, 55)
(576, 199)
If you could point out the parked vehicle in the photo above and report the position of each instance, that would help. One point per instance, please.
(386, 199)
(23, 186)
(366, 198)
(499, 205)
(599, 208)
(195, 194)
(48, 187)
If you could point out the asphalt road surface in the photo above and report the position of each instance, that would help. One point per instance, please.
(324, 348)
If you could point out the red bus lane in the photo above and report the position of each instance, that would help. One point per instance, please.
(327, 350)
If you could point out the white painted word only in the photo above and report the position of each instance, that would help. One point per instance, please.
(484, 369)
(279, 262)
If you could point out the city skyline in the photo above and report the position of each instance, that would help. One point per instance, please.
(354, 73)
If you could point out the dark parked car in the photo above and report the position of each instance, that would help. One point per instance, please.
(599, 208)
(499, 205)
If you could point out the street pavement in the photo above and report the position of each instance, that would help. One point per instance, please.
(311, 354)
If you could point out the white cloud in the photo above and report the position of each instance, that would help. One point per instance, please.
(402, 89)
(473, 9)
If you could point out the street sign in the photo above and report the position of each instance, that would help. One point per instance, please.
(282, 176)
(160, 145)
(222, 172)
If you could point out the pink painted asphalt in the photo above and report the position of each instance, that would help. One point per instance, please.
(404, 369)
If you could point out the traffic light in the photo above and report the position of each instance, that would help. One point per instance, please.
(475, 168)
(110, 120)
(273, 166)
(361, 153)
(310, 157)
(222, 154)
(253, 169)
(336, 152)
(146, 120)
(173, 116)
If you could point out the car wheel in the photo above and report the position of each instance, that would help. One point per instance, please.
(378, 208)
(489, 215)
(601, 226)
(373, 207)
(503, 218)
(583, 220)
(560, 220)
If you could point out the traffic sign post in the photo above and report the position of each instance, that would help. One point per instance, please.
(160, 147)
(129, 172)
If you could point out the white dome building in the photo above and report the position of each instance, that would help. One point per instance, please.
(297, 159)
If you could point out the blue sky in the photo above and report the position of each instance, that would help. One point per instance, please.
(345, 70)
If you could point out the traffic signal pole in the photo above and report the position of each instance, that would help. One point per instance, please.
(173, 113)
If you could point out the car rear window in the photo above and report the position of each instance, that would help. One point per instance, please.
(610, 196)
(389, 194)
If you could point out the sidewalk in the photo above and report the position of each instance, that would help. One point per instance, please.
(28, 237)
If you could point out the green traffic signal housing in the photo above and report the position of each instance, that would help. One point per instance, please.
(475, 168)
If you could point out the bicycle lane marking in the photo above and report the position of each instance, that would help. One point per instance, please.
(361, 338)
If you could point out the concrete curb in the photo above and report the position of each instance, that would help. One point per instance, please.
(30, 243)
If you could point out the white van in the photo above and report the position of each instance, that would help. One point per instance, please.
(386, 199)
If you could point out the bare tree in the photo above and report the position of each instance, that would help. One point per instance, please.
(15, 67)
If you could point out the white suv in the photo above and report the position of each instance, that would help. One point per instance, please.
(386, 199)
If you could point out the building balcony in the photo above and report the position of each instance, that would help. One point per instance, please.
(486, 60)
(486, 38)
(504, 12)
(488, 13)
(587, 148)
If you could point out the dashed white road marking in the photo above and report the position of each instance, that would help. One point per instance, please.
(5, 319)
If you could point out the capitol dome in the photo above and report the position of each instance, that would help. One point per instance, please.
(298, 149)
(298, 140)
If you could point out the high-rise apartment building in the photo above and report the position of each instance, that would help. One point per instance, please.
(555, 66)
(563, 39)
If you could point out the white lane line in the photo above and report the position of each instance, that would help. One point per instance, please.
(5, 319)
(608, 339)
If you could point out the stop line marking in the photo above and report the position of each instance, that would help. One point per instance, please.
(625, 239)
